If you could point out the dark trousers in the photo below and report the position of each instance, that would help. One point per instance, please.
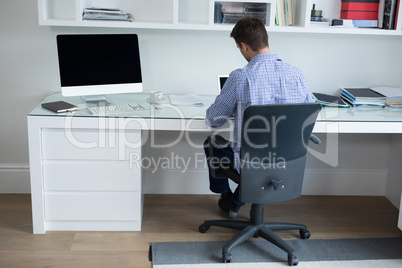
(223, 157)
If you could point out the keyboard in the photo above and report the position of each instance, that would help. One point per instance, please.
(118, 109)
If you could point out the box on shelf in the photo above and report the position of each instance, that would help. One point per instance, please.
(360, 6)
(359, 15)
(227, 13)
(359, 10)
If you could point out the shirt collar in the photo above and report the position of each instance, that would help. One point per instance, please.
(265, 56)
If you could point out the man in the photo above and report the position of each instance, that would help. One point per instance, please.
(266, 79)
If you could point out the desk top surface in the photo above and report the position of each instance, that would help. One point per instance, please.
(328, 114)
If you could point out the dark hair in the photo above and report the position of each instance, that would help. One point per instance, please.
(252, 31)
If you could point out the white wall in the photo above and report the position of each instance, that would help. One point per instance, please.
(172, 61)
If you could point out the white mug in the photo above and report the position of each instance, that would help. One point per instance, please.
(155, 96)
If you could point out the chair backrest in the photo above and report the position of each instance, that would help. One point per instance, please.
(274, 151)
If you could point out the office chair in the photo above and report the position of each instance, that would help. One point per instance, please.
(273, 156)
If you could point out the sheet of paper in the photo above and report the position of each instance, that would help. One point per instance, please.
(188, 99)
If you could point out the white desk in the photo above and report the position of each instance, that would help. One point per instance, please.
(82, 172)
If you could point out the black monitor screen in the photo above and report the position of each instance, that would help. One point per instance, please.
(102, 59)
(222, 81)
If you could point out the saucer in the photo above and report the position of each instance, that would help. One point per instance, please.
(156, 102)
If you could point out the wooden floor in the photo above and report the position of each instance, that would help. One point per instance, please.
(176, 218)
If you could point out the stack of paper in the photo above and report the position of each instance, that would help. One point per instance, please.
(393, 95)
(362, 97)
(94, 13)
(188, 99)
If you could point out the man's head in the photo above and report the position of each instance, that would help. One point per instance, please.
(250, 34)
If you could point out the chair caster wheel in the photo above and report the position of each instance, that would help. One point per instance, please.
(305, 234)
(292, 260)
(203, 228)
(226, 258)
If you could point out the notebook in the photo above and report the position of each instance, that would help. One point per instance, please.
(329, 100)
(60, 106)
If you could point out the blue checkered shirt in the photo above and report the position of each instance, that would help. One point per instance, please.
(266, 79)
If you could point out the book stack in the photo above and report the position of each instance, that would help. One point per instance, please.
(284, 13)
(395, 102)
(393, 95)
(356, 97)
(363, 13)
(94, 13)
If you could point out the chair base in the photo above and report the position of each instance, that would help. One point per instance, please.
(257, 228)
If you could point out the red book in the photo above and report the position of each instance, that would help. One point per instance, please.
(359, 6)
(359, 15)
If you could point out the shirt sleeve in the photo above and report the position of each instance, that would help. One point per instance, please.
(303, 86)
(225, 103)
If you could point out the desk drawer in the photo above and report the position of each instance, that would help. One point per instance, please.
(89, 144)
(83, 206)
(91, 176)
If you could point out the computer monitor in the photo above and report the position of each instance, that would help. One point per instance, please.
(221, 81)
(97, 64)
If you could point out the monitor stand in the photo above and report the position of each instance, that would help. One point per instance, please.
(97, 100)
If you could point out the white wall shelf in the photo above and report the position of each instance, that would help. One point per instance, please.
(194, 15)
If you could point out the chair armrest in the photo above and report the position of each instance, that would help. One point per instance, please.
(315, 139)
